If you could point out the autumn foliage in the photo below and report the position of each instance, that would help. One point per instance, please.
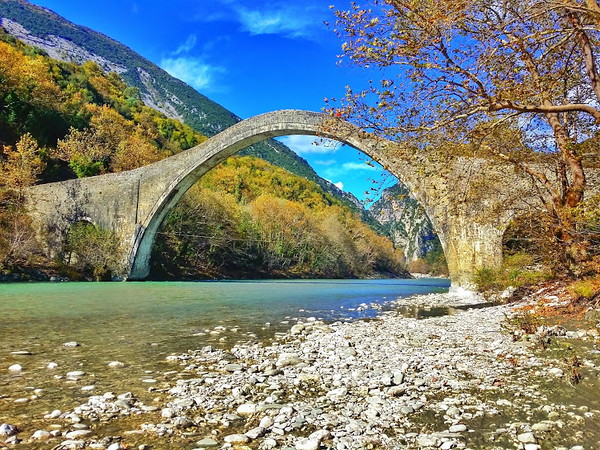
(247, 218)
(515, 80)
(59, 120)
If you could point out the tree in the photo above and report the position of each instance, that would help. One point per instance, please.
(467, 71)
(20, 168)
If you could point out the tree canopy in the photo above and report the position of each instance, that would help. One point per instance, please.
(509, 77)
(516, 80)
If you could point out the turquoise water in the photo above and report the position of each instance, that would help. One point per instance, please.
(142, 323)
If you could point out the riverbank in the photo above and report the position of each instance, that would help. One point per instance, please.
(453, 381)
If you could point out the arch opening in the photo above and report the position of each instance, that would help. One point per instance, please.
(218, 149)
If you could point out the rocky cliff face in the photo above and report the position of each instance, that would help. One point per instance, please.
(404, 220)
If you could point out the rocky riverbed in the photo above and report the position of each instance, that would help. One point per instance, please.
(454, 381)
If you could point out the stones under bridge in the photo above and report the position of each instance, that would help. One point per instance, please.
(469, 201)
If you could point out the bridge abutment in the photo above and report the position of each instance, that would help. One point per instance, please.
(470, 246)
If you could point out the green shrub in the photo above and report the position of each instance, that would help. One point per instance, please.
(517, 270)
(586, 289)
(92, 250)
(486, 279)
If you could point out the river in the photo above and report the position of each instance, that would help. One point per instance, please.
(140, 324)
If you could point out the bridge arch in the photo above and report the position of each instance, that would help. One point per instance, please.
(217, 149)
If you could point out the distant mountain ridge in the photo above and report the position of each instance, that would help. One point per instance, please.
(64, 40)
(405, 222)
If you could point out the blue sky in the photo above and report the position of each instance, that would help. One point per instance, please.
(250, 56)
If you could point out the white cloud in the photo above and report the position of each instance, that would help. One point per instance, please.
(193, 71)
(305, 145)
(339, 185)
(188, 45)
(275, 17)
(286, 20)
(325, 162)
(350, 166)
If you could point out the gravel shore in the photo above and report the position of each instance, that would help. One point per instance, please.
(453, 381)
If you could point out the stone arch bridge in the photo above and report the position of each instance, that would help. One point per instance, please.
(469, 201)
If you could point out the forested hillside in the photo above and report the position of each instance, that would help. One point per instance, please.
(248, 217)
(60, 120)
(63, 40)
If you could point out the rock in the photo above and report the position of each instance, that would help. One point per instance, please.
(428, 441)
(527, 438)
(74, 418)
(386, 379)
(266, 422)
(542, 426)
(297, 329)
(116, 364)
(313, 442)
(22, 400)
(407, 410)
(71, 344)
(15, 368)
(72, 444)
(420, 382)
(255, 433)
(77, 434)
(88, 388)
(182, 422)
(207, 443)
(531, 447)
(233, 367)
(8, 430)
(52, 365)
(167, 413)
(41, 435)
(288, 359)
(398, 378)
(457, 428)
(116, 446)
(21, 353)
(237, 439)
(13, 440)
(556, 372)
(53, 415)
(247, 409)
(337, 393)
(269, 443)
(307, 444)
(76, 374)
(453, 411)
(396, 391)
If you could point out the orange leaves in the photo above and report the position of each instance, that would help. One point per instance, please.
(22, 165)
(27, 76)
(135, 151)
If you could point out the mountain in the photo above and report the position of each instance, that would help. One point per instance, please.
(405, 222)
(245, 218)
(66, 41)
